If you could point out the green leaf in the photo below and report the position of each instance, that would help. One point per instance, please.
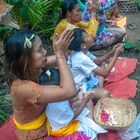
(12, 2)
(23, 12)
(128, 44)
(3, 27)
(3, 115)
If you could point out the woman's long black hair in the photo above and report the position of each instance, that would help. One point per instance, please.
(19, 59)
(67, 5)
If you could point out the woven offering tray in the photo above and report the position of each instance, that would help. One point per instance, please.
(114, 113)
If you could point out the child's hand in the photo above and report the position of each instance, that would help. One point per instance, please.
(87, 96)
(75, 102)
(119, 49)
(114, 48)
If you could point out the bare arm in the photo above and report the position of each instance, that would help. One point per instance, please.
(78, 111)
(105, 71)
(101, 59)
(79, 104)
(67, 88)
(51, 61)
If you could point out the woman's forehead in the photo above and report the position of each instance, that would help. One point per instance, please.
(76, 6)
(37, 42)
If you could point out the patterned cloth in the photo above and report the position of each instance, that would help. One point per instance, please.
(105, 36)
(75, 136)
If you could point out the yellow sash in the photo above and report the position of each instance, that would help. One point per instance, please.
(34, 124)
(70, 129)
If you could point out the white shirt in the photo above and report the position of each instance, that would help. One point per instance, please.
(81, 66)
(59, 114)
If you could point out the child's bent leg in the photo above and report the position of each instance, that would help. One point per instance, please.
(101, 81)
(101, 78)
(101, 92)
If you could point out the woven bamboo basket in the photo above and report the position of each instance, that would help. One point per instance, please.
(127, 6)
(114, 113)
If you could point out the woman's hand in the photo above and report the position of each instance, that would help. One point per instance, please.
(93, 7)
(61, 43)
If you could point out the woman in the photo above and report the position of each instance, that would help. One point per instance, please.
(106, 36)
(71, 18)
(26, 58)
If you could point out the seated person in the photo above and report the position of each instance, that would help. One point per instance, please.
(26, 59)
(71, 18)
(86, 67)
(63, 120)
(106, 35)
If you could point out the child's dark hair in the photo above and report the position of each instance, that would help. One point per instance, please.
(75, 45)
(67, 5)
(19, 57)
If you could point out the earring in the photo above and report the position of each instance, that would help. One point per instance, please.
(84, 47)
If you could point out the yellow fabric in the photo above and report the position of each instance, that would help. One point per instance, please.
(49, 130)
(90, 27)
(34, 124)
(70, 129)
(121, 22)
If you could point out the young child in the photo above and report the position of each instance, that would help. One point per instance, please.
(86, 68)
(63, 120)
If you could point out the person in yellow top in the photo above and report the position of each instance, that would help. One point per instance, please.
(71, 18)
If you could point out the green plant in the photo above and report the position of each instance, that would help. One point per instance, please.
(40, 15)
(5, 100)
(5, 104)
(138, 3)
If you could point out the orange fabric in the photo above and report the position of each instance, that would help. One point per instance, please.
(124, 88)
(70, 129)
(118, 84)
(121, 22)
(123, 67)
(26, 109)
(24, 94)
(37, 123)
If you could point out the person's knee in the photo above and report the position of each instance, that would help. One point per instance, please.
(106, 93)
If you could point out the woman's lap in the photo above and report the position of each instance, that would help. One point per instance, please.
(104, 39)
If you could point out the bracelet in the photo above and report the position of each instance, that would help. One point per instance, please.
(60, 57)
